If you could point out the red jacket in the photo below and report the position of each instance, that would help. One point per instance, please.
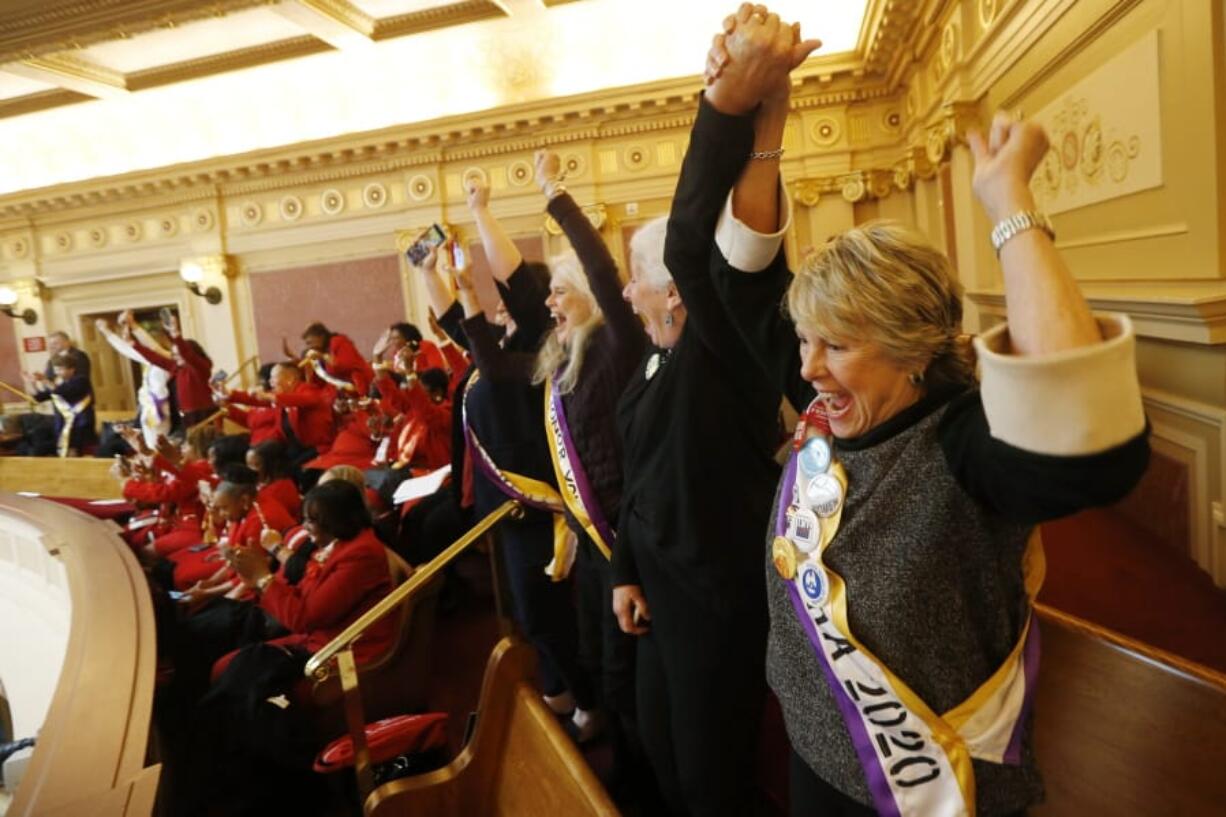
(457, 365)
(332, 594)
(191, 379)
(309, 411)
(346, 362)
(260, 421)
(178, 487)
(246, 533)
(285, 493)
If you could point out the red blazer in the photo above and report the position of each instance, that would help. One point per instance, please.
(246, 533)
(332, 594)
(308, 408)
(285, 493)
(422, 436)
(191, 379)
(346, 362)
(179, 487)
(260, 421)
(457, 365)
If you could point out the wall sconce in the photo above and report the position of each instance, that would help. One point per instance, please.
(193, 274)
(8, 302)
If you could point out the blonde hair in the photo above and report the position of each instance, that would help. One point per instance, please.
(647, 253)
(345, 473)
(884, 283)
(568, 358)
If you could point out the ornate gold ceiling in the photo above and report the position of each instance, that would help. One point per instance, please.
(57, 52)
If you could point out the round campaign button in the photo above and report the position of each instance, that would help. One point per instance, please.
(813, 582)
(783, 554)
(815, 456)
(824, 495)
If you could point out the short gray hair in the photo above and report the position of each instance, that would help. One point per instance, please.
(647, 253)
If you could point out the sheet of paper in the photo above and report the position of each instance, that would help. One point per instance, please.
(418, 487)
(27, 493)
(107, 501)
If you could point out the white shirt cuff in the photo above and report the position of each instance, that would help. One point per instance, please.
(1075, 402)
(747, 249)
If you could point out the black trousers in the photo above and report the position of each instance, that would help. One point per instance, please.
(701, 685)
(543, 608)
(604, 650)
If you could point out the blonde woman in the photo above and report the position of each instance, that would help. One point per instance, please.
(902, 567)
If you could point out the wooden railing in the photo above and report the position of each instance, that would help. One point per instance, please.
(90, 755)
(83, 477)
(338, 652)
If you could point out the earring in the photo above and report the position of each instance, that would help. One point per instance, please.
(916, 378)
(668, 318)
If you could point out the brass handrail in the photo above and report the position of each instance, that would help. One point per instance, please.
(319, 664)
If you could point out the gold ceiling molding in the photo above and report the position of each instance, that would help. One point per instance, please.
(453, 14)
(72, 73)
(40, 101)
(887, 34)
(229, 61)
(651, 108)
(65, 25)
(50, 52)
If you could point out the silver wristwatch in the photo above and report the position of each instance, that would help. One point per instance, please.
(1019, 223)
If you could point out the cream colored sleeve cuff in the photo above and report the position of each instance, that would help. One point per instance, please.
(1079, 401)
(746, 249)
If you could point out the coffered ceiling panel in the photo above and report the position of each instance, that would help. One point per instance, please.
(190, 41)
(175, 81)
(392, 8)
(13, 86)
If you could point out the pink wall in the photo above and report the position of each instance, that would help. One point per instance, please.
(10, 357)
(356, 298)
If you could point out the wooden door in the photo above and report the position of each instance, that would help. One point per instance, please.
(115, 378)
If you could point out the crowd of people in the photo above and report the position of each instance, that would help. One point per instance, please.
(890, 611)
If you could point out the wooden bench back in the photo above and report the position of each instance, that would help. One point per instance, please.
(1121, 728)
(83, 477)
(519, 763)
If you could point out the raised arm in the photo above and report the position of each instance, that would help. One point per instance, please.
(750, 270)
(491, 359)
(117, 343)
(1046, 310)
(594, 256)
(153, 357)
(504, 256)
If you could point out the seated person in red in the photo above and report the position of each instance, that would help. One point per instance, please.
(72, 395)
(335, 360)
(270, 461)
(249, 732)
(250, 522)
(189, 367)
(304, 411)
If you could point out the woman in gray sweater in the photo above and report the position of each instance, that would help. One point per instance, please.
(902, 557)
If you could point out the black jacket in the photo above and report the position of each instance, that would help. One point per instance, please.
(700, 435)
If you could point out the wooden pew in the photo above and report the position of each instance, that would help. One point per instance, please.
(519, 761)
(83, 477)
(1122, 728)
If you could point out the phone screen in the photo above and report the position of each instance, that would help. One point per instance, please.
(457, 256)
(431, 238)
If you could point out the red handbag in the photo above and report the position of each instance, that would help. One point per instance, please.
(387, 739)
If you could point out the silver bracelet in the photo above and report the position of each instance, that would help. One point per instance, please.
(767, 154)
(1017, 223)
